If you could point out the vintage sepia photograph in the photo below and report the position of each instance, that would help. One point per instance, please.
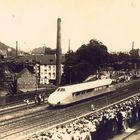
(70, 70)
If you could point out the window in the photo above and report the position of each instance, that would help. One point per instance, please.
(76, 93)
(103, 87)
(49, 75)
(53, 75)
(82, 92)
(61, 89)
(96, 89)
(49, 68)
(53, 68)
(90, 90)
(45, 71)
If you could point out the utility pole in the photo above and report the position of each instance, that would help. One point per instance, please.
(69, 47)
(16, 48)
(132, 45)
(58, 53)
(69, 60)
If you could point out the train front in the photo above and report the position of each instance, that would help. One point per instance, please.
(57, 97)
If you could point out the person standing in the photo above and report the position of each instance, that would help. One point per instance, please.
(27, 103)
(119, 122)
(92, 107)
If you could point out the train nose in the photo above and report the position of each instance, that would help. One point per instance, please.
(53, 101)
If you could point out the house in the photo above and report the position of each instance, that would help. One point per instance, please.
(26, 81)
(4, 53)
(47, 68)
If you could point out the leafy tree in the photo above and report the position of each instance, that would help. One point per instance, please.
(113, 57)
(123, 56)
(85, 61)
(95, 53)
(69, 64)
(134, 53)
(120, 60)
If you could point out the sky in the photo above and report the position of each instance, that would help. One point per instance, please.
(33, 23)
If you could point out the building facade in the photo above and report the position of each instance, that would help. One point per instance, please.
(47, 69)
(48, 73)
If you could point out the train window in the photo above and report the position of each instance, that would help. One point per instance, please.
(83, 92)
(90, 90)
(96, 89)
(77, 93)
(58, 89)
(61, 89)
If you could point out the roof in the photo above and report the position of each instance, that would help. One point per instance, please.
(32, 89)
(46, 59)
(22, 72)
(42, 59)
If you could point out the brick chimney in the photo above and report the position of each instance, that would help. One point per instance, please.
(58, 53)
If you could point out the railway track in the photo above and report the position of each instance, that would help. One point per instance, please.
(47, 118)
(134, 135)
(38, 119)
(12, 109)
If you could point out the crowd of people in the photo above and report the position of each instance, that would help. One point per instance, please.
(124, 76)
(39, 98)
(102, 125)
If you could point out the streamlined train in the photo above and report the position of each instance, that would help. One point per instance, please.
(72, 93)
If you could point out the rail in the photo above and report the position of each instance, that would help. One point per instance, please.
(92, 112)
(129, 135)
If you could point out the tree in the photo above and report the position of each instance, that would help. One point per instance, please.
(94, 53)
(134, 53)
(69, 64)
(85, 61)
